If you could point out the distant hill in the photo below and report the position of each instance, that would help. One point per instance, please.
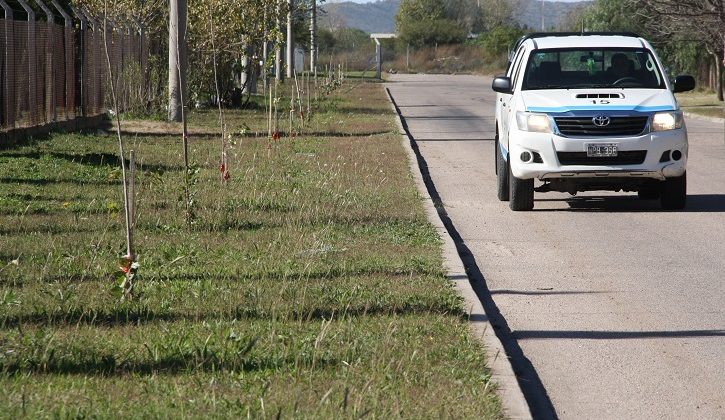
(370, 17)
(380, 16)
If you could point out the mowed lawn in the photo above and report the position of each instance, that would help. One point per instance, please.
(309, 285)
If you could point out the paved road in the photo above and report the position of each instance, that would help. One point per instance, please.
(617, 305)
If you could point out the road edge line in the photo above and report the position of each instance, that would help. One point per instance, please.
(502, 373)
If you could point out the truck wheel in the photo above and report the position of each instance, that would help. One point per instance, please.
(521, 193)
(674, 193)
(502, 175)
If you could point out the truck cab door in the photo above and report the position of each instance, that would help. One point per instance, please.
(504, 105)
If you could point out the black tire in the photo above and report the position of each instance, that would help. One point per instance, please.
(502, 175)
(674, 193)
(650, 191)
(521, 193)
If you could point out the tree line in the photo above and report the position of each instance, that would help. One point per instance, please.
(246, 38)
(689, 35)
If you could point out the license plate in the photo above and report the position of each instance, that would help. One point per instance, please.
(601, 149)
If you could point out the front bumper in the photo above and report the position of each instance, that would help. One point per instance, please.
(547, 145)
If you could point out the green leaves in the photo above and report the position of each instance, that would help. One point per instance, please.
(425, 22)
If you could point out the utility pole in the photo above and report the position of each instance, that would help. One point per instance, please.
(407, 56)
(542, 16)
(177, 57)
(290, 41)
(313, 39)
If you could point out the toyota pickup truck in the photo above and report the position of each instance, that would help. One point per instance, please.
(589, 112)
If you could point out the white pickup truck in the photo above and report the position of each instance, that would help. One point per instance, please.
(589, 112)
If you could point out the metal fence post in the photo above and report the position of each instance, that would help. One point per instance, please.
(127, 60)
(50, 94)
(32, 67)
(141, 56)
(69, 61)
(9, 73)
(110, 33)
(93, 69)
(82, 76)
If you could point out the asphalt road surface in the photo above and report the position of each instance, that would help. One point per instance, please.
(615, 307)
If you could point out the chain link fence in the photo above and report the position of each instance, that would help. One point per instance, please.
(52, 73)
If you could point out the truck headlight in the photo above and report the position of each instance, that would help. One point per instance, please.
(663, 121)
(538, 123)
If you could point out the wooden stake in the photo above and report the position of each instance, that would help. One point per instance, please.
(269, 122)
(299, 102)
(291, 108)
(132, 188)
(224, 168)
(309, 95)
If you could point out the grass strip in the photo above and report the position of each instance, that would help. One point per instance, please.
(701, 103)
(309, 285)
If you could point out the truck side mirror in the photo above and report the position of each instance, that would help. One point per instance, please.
(684, 83)
(502, 84)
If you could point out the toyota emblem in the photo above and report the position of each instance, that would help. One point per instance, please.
(601, 120)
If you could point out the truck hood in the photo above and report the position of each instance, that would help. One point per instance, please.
(570, 101)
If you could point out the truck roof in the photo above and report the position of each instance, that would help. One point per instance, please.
(583, 40)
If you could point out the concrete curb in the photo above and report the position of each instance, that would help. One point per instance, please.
(703, 117)
(512, 398)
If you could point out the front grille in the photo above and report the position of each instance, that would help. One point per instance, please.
(584, 126)
(633, 157)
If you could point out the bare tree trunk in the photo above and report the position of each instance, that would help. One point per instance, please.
(249, 70)
(252, 70)
(278, 73)
(290, 41)
(244, 72)
(265, 54)
(177, 57)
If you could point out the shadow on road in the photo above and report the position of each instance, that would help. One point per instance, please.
(696, 203)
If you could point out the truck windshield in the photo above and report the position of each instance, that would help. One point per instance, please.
(592, 68)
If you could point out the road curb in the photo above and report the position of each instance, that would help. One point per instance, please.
(703, 117)
(512, 398)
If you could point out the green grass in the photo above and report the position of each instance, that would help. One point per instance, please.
(310, 285)
(701, 103)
